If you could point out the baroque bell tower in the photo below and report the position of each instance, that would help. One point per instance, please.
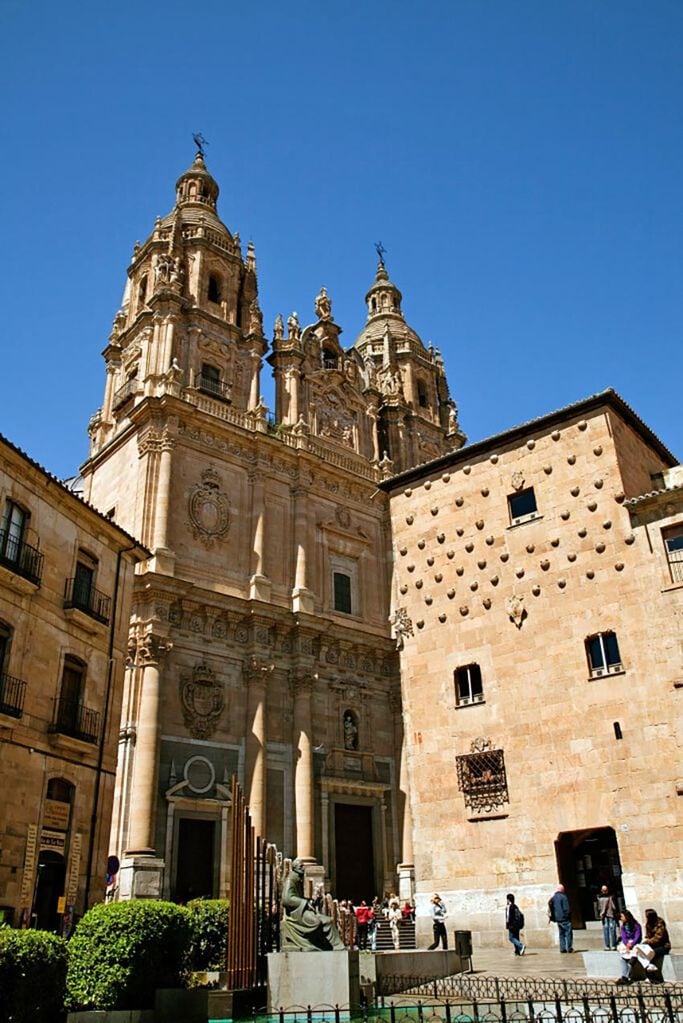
(259, 639)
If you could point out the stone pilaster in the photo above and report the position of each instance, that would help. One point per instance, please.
(303, 772)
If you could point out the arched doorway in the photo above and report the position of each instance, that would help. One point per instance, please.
(49, 890)
(586, 860)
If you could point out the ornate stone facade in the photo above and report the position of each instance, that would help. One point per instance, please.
(270, 579)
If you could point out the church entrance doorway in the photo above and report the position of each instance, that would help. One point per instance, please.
(354, 856)
(195, 860)
(586, 860)
(49, 890)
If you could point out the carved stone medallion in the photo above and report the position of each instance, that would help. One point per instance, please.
(203, 700)
(209, 510)
(514, 606)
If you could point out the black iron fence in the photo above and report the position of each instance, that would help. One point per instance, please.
(599, 1003)
(76, 720)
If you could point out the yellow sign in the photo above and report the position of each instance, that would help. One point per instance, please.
(56, 815)
(61, 905)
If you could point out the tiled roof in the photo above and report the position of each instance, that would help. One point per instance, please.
(606, 397)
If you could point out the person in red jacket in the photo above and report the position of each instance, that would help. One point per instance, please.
(364, 916)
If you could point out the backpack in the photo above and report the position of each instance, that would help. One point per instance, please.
(520, 918)
(551, 910)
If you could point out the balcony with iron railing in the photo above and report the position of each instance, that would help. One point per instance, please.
(12, 692)
(86, 598)
(123, 393)
(73, 718)
(210, 385)
(20, 557)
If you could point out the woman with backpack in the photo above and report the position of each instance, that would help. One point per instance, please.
(514, 921)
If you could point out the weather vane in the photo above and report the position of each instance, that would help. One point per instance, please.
(199, 142)
(380, 250)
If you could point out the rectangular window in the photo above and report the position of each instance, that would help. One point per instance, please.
(673, 541)
(468, 686)
(342, 592)
(12, 532)
(522, 505)
(603, 654)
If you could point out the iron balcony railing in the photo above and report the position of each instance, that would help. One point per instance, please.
(12, 692)
(74, 719)
(20, 557)
(209, 385)
(123, 393)
(87, 599)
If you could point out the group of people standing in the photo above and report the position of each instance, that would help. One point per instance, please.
(358, 924)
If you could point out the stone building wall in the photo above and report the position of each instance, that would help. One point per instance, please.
(46, 737)
(580, 753)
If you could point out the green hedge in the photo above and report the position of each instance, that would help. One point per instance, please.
(209, 919)
(32, 976)
(120, 953)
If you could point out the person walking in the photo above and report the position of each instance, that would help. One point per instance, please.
(439, 914)
(514, 921)
(363, 916)
(394, 917)
(608, 918)
(559, 912)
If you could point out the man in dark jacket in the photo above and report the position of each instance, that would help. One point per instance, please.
(560, 912)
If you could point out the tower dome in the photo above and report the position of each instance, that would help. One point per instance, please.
(384, 313)
(196, 198)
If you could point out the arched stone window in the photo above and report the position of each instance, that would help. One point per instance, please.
(330, 360)
(350, 725)
(61, 790)
(422, 399)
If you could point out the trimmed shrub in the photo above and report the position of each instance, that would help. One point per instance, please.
(32, 976)
(209, 918)
(121, 952)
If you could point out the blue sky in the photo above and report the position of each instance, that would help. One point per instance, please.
(521, 162)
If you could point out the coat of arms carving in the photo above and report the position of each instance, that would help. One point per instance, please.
(203, 700)
(209, 510)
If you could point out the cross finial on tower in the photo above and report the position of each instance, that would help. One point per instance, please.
(380, 250)
(199, 142)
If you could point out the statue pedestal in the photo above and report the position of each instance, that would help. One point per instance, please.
(141, 877)
(315, 979)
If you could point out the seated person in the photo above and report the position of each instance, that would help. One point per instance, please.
(631, 934)
(654, 946)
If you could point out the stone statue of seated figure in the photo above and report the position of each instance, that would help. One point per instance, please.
(304, 929)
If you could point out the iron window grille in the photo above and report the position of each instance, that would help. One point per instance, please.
(482, 778)
(673, 542)
(12, 692)
(74, 719)
(82, 595)
(20, 557)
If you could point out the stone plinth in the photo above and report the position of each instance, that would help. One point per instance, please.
(608, 964)
(313, 978)
(141, 877)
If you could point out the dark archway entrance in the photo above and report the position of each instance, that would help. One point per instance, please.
(194, 872)
(49, 890)
(354, 859)
(586, 860)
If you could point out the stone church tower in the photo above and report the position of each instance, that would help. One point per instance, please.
(259, 642)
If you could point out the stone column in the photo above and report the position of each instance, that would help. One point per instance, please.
(163, 557)
(142, 872)
(254, 388)
(109, 392)
(256, 676)
(302, 598)
(293, 376)
(303, 772)
(406, 868)
(259, 584)
(372, 416)
(167, 353)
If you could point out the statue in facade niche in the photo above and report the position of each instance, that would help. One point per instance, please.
(279, 328)
(452, 416)
(350, 732)
(304, 928)
(323, 305)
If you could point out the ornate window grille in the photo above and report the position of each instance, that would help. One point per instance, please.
(481, 777)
